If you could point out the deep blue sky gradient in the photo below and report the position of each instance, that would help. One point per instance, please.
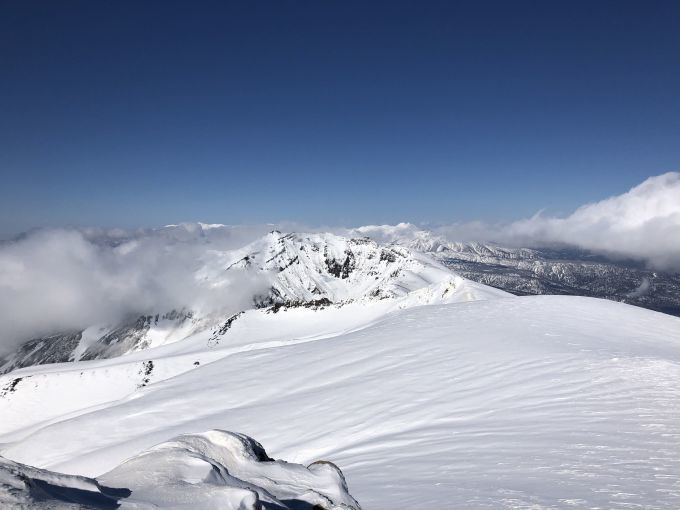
(139, 113)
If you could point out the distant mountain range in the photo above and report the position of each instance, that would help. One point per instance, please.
(537, 271)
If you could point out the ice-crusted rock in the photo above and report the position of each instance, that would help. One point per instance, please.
(210, 470)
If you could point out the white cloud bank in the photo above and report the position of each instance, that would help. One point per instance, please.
(642, 224)
(61, 280)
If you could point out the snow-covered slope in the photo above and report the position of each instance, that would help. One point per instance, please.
(211, 470)
(527, 402)
(275, 270)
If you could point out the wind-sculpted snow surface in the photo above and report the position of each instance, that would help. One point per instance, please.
(211, 470)
(539, 402)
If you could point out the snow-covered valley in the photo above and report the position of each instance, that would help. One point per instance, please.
(425, 389)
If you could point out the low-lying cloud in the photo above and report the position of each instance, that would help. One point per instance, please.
(642, 289)
(642, 224)
(62, 280)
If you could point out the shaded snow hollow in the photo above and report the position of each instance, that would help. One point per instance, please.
(210, 470)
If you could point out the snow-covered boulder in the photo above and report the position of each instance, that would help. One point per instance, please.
(211, 470)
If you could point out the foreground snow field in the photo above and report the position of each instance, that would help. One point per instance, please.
(531, 402)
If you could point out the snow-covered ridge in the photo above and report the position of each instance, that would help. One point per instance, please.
(210, 470)
(306, 267)
(278, 269)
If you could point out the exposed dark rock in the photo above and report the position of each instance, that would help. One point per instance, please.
(215, 338)
(145, 372)
(50, 349)
(340, 270)
(244, 262)
(121, 340)
(267, 300)
(388, 255)
(294, 260)
(316, 304)
(11, 387)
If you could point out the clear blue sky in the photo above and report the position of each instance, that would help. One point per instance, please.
(330, 112)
